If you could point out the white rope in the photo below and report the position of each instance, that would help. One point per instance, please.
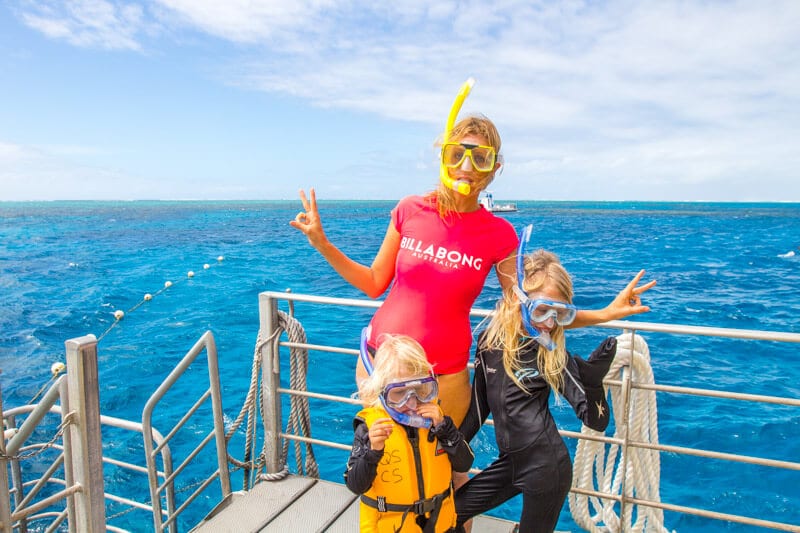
(642, 467)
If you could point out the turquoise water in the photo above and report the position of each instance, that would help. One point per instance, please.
(65, 267)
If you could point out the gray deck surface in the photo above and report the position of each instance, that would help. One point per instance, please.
(303, 504)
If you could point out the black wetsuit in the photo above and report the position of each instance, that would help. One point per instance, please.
(533, 458)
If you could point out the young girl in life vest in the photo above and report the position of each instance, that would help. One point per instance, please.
(520, 358)
(404, 448)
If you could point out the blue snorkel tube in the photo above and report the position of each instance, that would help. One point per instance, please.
(539, 336)
(406, 419)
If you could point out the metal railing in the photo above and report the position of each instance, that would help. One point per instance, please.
(80, 497)
(83, 494)
(217, 434)
(268, 309)
(19, 485)
(73, 465)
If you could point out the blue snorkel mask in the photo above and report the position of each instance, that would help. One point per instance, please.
(539, 310)
(424, 389)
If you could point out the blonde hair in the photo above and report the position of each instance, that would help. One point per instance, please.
(507, 332)
(396, 356)
(443, 197)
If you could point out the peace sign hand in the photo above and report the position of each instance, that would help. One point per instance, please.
(308, 220)
(629, 300)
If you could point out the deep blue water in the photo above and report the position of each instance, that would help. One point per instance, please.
(65, 267)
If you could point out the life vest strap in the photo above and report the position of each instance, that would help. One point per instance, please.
(419, 507)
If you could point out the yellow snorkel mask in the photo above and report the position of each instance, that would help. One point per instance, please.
(457, 185)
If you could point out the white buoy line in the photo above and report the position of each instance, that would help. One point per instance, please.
(59, 368)
(119, 314)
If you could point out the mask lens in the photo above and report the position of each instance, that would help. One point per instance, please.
(453, 154)
(566, 316)
(541, 311)
(424, 390)
(482, 158)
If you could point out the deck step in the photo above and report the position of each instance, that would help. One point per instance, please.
(489, 524)
(296, 501)
(252, 510)
(317, 509)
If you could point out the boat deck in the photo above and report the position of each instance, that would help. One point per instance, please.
(69, 410)
(302, 504)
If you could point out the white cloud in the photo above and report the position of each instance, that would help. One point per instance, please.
(28, 172)
(680, 92)
(88, 23)
(247, 21)
(10, 153)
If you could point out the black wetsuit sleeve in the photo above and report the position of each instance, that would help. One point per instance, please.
(478, 410)
(597, 412)
(590, 404)
(362, 465)
(453, 442)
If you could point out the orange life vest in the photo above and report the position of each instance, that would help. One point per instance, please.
(414, 479)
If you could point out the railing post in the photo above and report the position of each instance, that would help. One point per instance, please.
(5, 498)
(85, 433)
(217, 412)
(66, 440)
(627, 392)
(270, 381)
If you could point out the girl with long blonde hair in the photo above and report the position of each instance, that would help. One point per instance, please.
(520, 358)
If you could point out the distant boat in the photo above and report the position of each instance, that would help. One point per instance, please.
(487, 201)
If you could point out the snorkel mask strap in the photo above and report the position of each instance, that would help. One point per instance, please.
(363, 352)
(406, 419)
(456, 185)
(542, 337)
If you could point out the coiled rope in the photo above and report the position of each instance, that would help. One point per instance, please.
(299, 420)
(642, 466)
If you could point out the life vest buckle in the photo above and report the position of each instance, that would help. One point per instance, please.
(423, 507)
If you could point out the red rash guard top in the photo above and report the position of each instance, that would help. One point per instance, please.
(440, 271)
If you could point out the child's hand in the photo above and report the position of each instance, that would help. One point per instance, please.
(432, 411)
(379, 432)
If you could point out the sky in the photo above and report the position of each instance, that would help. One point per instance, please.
(658, 100)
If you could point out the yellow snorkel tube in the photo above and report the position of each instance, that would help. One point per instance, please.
(457, 185)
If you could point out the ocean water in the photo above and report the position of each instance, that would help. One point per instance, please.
(65, 267)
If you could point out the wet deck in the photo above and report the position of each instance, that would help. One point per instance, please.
(302, 504)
